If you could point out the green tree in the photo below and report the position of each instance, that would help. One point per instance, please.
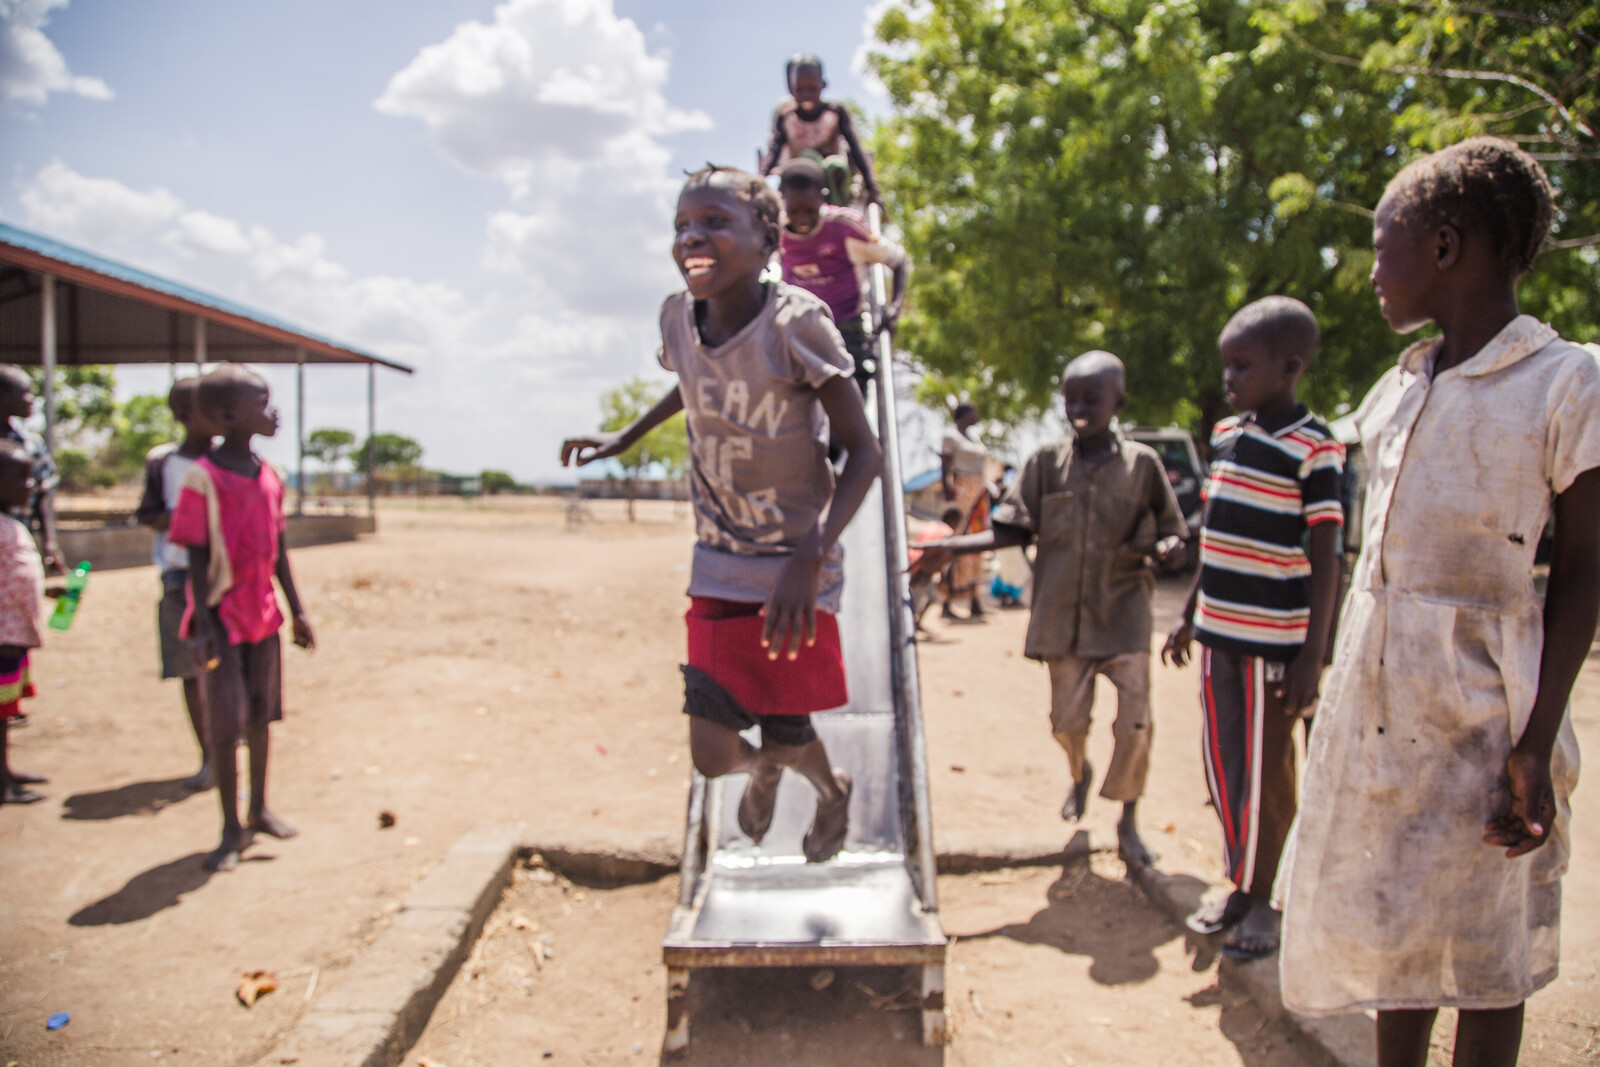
(391, 450)
(1124, 174)
(137, 425)
(666, 448)
(497, 482)
(329, 447)
(1528, 72)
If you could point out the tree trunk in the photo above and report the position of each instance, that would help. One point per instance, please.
(633, 490)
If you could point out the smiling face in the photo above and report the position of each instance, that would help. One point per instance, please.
(1252, 377)
(1090, 400)
(806, 87)
(1405, 267)
(722, 244)
(802, 208)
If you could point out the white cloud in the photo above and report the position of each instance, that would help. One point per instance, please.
(94, 210)
(561, 101)
(200, 233)
(499, 381)
(31, 67)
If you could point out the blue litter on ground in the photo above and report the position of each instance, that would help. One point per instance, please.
(57, 1020)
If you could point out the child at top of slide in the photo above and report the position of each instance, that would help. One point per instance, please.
(21, 593)
(164, 471)
(230, 517)
(762, 374)
(806, 124)
(1424, 868)
(824, 250)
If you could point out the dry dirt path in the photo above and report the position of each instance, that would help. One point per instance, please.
(488, 663)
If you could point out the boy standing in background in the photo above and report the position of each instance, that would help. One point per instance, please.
(230, 517)
(1262, 604)
(1099, 506)
(164, 471)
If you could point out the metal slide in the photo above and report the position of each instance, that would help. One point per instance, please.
(743, 905)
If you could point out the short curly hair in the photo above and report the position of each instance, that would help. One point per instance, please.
(1483, 186)
(750, 188)
(1283, 324)
(217, 389)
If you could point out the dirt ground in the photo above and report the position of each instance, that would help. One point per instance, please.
(491, 663)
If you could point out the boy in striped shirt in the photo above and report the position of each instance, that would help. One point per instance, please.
(1262, 604)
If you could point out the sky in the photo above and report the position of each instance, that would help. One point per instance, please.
(482, 191)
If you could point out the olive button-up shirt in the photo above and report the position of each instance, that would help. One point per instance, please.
(1097, 527)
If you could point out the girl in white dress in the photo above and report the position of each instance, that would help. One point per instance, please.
(1425, 867)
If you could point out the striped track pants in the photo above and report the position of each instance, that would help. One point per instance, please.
(1248, 746)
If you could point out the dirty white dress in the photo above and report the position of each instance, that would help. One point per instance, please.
(1391, 898)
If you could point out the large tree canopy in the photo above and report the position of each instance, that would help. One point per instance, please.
(1125, 174)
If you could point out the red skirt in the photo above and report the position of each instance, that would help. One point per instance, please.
(15, 684)
(725, 643)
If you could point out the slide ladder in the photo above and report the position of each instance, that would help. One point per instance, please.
(876, 903)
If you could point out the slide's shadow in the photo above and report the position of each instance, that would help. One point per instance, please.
(135, 798)
(868, 1015)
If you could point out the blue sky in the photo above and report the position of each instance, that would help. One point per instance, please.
(480, 190)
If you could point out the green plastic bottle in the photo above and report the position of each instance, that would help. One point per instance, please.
(67, 603)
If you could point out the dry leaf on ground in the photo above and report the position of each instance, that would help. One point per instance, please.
(254, 985)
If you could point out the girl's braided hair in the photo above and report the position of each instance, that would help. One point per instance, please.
(1484, 187)
(748, 187)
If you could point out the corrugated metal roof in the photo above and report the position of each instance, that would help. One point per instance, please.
(130, 335)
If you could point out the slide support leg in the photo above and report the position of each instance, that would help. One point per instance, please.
(677, 1038)
(933, 1005)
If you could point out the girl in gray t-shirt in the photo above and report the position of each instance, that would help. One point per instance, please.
(762, 375)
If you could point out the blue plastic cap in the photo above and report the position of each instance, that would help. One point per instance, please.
(57, 1020)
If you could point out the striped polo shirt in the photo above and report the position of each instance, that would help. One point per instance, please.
(1270, 482)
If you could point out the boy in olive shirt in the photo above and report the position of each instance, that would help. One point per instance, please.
(1099, 507)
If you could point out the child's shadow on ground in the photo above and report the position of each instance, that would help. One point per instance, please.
(154, 890)
(1110, 921)
(136, 798)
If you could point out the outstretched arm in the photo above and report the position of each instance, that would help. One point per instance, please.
(858, 155)
(791, 611)
(936, 555)
(780, 137)
(1176, 649)
(585, 450)
(1571, 606)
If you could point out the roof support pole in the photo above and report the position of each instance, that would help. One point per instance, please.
(199, 345)
(372, 444)
(300, 432)
(47, 354)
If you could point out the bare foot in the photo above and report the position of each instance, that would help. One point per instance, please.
(267, 823)
(24, 778)
(1256, 936)
(226, 856)
(1077, 801)
(15, 794)
(759, 799)
(200, 780)
(1131, 849)
(831, 823)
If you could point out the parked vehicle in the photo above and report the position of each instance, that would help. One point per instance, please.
(1185, 472)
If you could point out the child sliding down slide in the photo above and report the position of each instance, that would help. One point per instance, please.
(762, 374)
